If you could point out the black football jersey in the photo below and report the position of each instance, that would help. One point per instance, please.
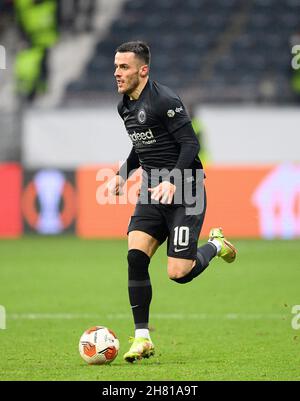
(150, 121)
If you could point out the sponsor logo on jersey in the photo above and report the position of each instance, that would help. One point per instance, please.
(144, 138)
(170, 113)
(141, 116)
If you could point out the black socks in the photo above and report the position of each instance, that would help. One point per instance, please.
(139, 287)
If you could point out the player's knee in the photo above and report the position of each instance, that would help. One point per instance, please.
(180, 278)
(177, 275)
(138, 263)
(179, 271)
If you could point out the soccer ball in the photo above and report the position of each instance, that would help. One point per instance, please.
(98, 345)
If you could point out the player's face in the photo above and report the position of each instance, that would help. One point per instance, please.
(129, 70)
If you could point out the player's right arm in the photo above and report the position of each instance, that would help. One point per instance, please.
(116, 184)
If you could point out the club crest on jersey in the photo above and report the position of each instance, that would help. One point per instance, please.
(141, 116)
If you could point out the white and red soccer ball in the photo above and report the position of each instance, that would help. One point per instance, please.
(98, 345)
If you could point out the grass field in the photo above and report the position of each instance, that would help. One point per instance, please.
(231, 323)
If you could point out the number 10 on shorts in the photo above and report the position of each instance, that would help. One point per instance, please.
(182, 235)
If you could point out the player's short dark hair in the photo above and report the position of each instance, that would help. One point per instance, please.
(139, 48)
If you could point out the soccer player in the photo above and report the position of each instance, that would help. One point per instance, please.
(166, 147)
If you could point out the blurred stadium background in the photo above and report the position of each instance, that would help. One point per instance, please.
(60, 134)
(230, 61)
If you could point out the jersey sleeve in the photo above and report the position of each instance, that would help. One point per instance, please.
(130, 165)
(189, 146)
(171, 112)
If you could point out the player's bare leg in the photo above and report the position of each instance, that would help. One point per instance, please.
(142, 241)
(142, 247)
(178, 268)
(184, 270)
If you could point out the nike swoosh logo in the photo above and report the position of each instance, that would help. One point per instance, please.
(134, 306)
(126, 118)
(180, 250)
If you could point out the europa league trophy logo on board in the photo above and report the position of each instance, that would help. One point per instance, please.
(49, 202)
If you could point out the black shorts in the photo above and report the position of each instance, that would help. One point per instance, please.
(170, 222)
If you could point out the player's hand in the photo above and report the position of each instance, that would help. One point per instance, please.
(164, 192)
(115, 185)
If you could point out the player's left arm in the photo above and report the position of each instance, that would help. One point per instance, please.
(178, 123)
(189, 148)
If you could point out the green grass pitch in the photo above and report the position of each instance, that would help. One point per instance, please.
(231, 323)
